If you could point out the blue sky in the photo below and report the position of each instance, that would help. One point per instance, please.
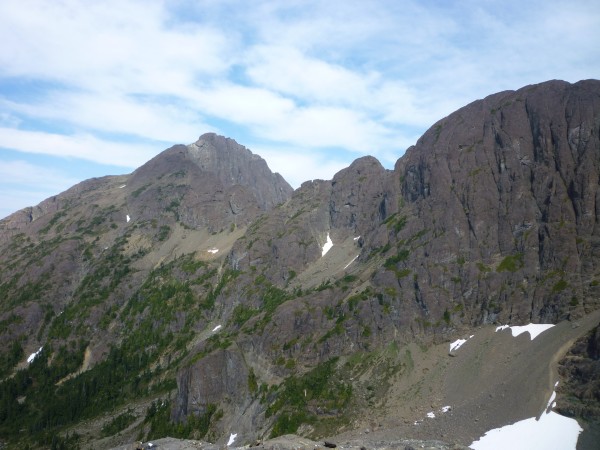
(96, 88)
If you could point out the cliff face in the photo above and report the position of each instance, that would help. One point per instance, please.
(492, 217)
(212, 183)
(508, 189)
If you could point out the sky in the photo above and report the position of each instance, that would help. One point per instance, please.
(98, 88)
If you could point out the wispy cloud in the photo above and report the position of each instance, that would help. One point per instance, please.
(81, 146)
(25, 184)
(24, 173)
(313, 82)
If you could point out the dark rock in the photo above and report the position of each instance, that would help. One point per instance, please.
(214, 182)
(492, 216)
(578, 393)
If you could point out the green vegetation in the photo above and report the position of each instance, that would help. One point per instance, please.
(196, 426)
(298, 396)
(139, 190)
(96, 287)
(163, 233)
(391, 262)
(118, 423)
(483, 268)
(9, 359)
(53, 221)
(241, 314)
(158, 318)
(559, 286)
(395, 222)
(511, 263)
(252, 383)
(447, 317)
(324, 285)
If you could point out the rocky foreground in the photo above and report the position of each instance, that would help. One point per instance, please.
(293, 442)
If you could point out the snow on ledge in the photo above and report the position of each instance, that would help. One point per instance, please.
(217, 328)
(534, 329)
(128, 218)
(213, 250)
(231, 440)
(353, 259)
(551, 431)
(34, 355)
(458, 343)
(327, 246)
(121, 187)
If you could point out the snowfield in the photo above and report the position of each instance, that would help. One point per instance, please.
(327, 246)
(458, 343)
(534, 329)
(231, 440)
(552, 431)
(34, 355)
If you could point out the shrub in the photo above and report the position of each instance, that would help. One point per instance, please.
(511, 263)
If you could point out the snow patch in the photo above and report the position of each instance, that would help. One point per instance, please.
(551, 431)
(327, 246)
(458, 343)
(128, 218)
(551, 402)
(534, 329)
(431, 415)
(357, 238)
(213, 250)
(121, 187)
(445, 409)
(34, 355)
(232, 437)
(353, 259)
(217, 328)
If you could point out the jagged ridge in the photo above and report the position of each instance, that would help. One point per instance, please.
(187, 270)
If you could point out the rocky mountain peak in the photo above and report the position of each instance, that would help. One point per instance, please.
(211, 183)
(181, 288)
(233, 163)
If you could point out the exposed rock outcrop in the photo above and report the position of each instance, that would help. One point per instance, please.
(212, 183)
(579, 392)
(492, 217)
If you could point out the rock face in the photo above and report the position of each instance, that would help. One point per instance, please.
(507, 190)
(579, 394)
(492, 217)
(212, 183)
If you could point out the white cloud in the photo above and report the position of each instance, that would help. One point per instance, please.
(15, 199)
(25, 184)
(364, 77)
(111, 44)
(22, 172)
(145, 118)
(83, 146)
(328, 127)
(287, 70)
(298, 165)
(249, 106)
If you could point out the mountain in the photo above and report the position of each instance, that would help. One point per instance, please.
(200, 296)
